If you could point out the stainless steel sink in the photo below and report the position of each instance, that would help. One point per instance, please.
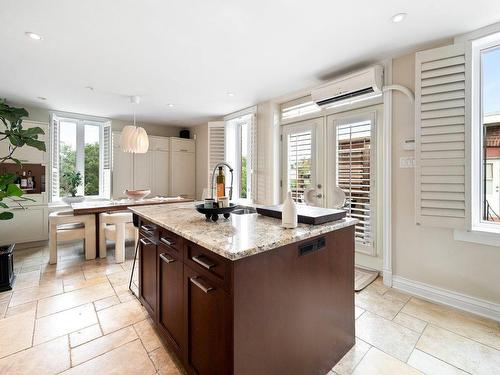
(242, 210)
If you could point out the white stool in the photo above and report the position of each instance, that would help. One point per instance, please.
(117, 227)
(64, 226)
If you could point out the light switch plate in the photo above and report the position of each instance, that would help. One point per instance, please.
(407, 162)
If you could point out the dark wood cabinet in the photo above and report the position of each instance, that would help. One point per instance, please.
(170, 296)
(289, 310)
(208, 325)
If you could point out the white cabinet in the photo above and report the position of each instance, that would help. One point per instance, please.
(29, 224)
(143, 177)
(160, 172)
(182, 167)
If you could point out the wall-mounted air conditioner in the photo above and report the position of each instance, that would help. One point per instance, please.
(354, 86)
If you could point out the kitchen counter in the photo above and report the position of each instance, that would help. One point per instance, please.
(239, 236)
(245, 296)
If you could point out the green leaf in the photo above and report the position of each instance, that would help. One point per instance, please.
(3, 205)
(16, 140)
(6, 215)
(33, 131)
(39, 145)
(14, 191)
(7, 178)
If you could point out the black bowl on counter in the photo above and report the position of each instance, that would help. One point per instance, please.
(213, 213)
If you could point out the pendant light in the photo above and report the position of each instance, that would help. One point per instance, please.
(134, 139)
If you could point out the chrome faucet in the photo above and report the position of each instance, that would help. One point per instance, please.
(221, 164)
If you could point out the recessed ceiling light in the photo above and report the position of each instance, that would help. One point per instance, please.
(170, 105)
(33, 36)
(90, 88)
(398, 17)
(41, 97)
(230, 94)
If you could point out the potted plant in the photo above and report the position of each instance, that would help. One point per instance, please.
(71, 181)
(13, 136)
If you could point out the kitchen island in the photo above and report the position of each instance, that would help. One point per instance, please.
(245, 296)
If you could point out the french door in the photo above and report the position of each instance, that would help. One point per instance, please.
(339, 150)
(302, 167)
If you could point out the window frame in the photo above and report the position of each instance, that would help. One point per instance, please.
(80, 123)
(477, 46)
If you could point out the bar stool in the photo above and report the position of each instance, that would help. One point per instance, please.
(64, 226)
(117, 227)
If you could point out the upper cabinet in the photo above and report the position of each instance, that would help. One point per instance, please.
(182, 167)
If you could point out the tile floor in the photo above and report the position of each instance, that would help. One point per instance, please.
(78, 317)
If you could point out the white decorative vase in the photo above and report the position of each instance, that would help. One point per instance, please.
(289, 212)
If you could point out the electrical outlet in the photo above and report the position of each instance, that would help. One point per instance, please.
(406, 162)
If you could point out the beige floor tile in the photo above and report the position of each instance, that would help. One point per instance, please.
(27, 280)
(106, 302)
(397, 295)
(386, 335)
(378, 304)
(484, 330)
(147, 334)
(72, 299)
(430, 365)
(119, 316)
(118, 278)
(75, 284)
(358, 311)
(49, 358)
(102, 345)
(163, 362)
(64, 322)
(347, 364)
(378, 286)
(3, 308)
(5, 296)
(32, 294)
(21, 309)
(84, 335)
(97, 271)
(376, 362)
(459, 351)
(16, 333)
(410, 322)
(130, 358)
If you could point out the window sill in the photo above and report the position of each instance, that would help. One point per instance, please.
(479, 236)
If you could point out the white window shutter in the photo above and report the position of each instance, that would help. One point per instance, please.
(442, 120)
(216, 146)
(252, 172)
(54, 159)
(106, 161)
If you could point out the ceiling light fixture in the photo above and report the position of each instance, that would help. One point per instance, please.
(41, 97)
(231, 94)
(170, 105)
(90, 88)
(397, 18)
(134, 139)
(33, 36)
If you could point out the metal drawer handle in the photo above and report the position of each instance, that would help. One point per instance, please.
(148, 228)
(145, 243)
(183, 150)
(196, 282)
(166, 258)
(203, 263)
(167, 241)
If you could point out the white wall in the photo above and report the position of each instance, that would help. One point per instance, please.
(424, 254)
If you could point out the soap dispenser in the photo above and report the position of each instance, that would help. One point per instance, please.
(289, 212)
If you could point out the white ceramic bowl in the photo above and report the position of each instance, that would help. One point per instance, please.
(137, 195)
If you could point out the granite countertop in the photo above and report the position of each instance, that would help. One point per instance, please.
(239, 236)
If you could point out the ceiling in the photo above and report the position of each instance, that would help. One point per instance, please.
(192, 53)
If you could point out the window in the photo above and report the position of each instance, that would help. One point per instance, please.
(299, 164)
(81, 145)
(240, 150)
(486, 131)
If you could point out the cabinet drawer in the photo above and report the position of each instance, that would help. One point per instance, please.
(148, 229)
(182, 145)
(211, 264)
(171, 240)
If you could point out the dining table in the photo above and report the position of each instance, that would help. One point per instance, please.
(96, 207)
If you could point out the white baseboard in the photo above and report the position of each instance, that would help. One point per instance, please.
(447, 297)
